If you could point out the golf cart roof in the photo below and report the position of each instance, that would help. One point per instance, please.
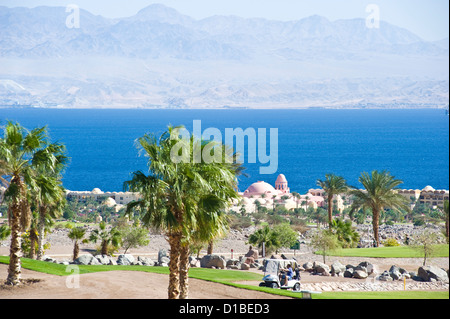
(274, 265)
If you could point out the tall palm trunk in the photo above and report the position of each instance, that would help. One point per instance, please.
(104, 247)
(76, 250)
(184, 271)
(174, 265)
(375, 223)
(33, 240)
(41, 226)
(210, 247)
(14, 256)
(16, 217)
(330, 211)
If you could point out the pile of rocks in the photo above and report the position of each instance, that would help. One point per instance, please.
(220, 262)
(122, 259)
(362, 271)
(399, 232)
(424, 274)
(208, 261)
(366, 269)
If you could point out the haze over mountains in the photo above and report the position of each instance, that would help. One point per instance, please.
(161, 58)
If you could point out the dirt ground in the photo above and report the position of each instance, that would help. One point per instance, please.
(117, 285)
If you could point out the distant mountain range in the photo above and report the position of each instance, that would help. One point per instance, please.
(161, 58)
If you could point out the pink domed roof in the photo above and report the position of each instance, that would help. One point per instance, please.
(281, 179)
(259, 188)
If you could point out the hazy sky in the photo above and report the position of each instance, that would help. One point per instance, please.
(429, 19)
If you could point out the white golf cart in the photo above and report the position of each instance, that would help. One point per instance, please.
(274, 276)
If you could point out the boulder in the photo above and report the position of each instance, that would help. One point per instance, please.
(194, 262)
(337, 268)
(210, 261)
(427, 273)
(232, 262)
(162, 253)
(349, 273)
(125, 259)
(309, 266)
(86, 260)
(367, 267)
(245, 266)
(395, 273)
(321, 268)
(164, 262)
(252, 253)
(103, 259)
(360, 274)
(385, 276)
(145, 261)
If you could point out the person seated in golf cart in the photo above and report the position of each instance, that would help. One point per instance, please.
(286, 275)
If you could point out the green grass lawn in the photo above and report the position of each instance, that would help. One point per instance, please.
(388, 252)
(227, 277)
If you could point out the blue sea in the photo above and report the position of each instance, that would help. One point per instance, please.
(411, 144)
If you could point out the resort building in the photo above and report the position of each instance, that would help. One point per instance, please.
(428, 196)
(266, 195)
(109, 198)
(432, 197)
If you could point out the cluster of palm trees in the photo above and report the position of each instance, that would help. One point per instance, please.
(378, 194)
(31, 168)
(186, 200)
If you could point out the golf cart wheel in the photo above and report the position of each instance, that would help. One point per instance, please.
(296, 287)
(262, 284)
(274, 285)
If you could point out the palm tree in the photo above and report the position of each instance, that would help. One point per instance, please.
(178, 193)
(264, 236)
(22, 152)
(106, 237)
(332, 185)
(51, 200)
(297, 198)
(378, 194)
(347, 236)
(76, 234)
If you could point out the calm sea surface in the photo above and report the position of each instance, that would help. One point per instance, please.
(412, 144)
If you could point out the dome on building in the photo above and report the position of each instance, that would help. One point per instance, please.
(281, 179)
(428, 189)
(259, 188)
(110, 202)
(97, 191)
(281, 184)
